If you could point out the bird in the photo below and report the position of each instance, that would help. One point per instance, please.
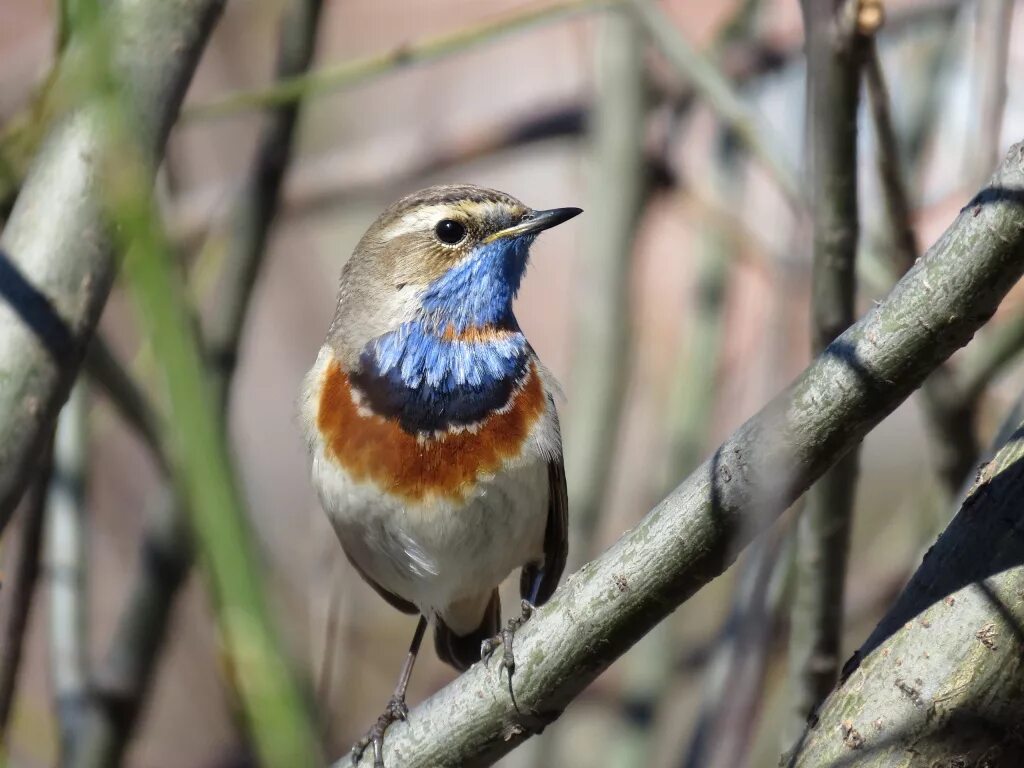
(432, 425)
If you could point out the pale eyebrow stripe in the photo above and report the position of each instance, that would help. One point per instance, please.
(424, 218)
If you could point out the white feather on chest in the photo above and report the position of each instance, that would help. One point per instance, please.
(437, 552)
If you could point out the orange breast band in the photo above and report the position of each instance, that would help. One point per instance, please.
(372, 448)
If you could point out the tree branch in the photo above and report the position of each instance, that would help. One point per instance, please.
(65, 560)
(127, 398)
(721, 97)
(994, 22)
(56, 265)
(692, 536)
(942, 676)
(952, 394)
(329, 78)
(898, 210)
(21, 591)
(834, 63)
(602, 333)
(167, 552)
(257, 203)
(119, 687)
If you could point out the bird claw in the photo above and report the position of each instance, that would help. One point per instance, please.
(504, 638)
(395, 710)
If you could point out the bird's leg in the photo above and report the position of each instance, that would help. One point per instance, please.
(396, 708)
(504, 638)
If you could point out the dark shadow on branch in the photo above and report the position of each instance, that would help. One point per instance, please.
(990, 195)
(35, 310)
(976, 546)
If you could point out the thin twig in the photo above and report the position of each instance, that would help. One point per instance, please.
(890, 170)
(21, 590)
(735, 674)
(347, 74)
(66, 567)
(134, 406)
(989, 356)
(951, 396)
(721, 97)
(321, 183)
(823, 532)
(125, 676)
(994, 23)
(686, 541)
(602, 329)
(257, 203)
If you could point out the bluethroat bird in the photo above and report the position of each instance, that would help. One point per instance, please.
(432, 424)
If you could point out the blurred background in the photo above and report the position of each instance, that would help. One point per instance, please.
(670, 312)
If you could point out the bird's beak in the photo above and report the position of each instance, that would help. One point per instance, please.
(536, 222)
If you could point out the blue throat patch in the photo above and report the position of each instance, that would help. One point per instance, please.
(479, 290)
(427, 377)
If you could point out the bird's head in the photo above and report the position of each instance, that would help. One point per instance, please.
(449, 257)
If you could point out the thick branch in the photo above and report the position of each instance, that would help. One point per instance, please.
(56, 266)
(692, 536)
(941, 679)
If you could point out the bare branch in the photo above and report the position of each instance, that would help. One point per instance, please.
(346, 74)
(21, 591)
(721, 97)
(890, 170)
(603, 323)
(834, 63)
(257, 203)
(994, 22)
(942, 675)
(123, 679)
(65, 560)
(56, 266)
(128, 399)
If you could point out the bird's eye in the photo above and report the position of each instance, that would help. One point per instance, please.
(449, 231)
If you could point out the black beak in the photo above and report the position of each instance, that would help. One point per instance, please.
(536, 222)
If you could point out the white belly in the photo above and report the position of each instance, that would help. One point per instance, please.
(437, 552)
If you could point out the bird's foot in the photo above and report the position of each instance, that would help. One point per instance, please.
(395, 710)
(504, 638)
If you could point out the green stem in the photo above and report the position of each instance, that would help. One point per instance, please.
(274, 705)
(347, 74)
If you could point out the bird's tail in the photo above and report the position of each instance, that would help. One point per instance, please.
(461, 651)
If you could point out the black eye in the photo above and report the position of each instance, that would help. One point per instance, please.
(449, 231)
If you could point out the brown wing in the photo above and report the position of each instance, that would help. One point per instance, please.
(397, 602)
(538, 582)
